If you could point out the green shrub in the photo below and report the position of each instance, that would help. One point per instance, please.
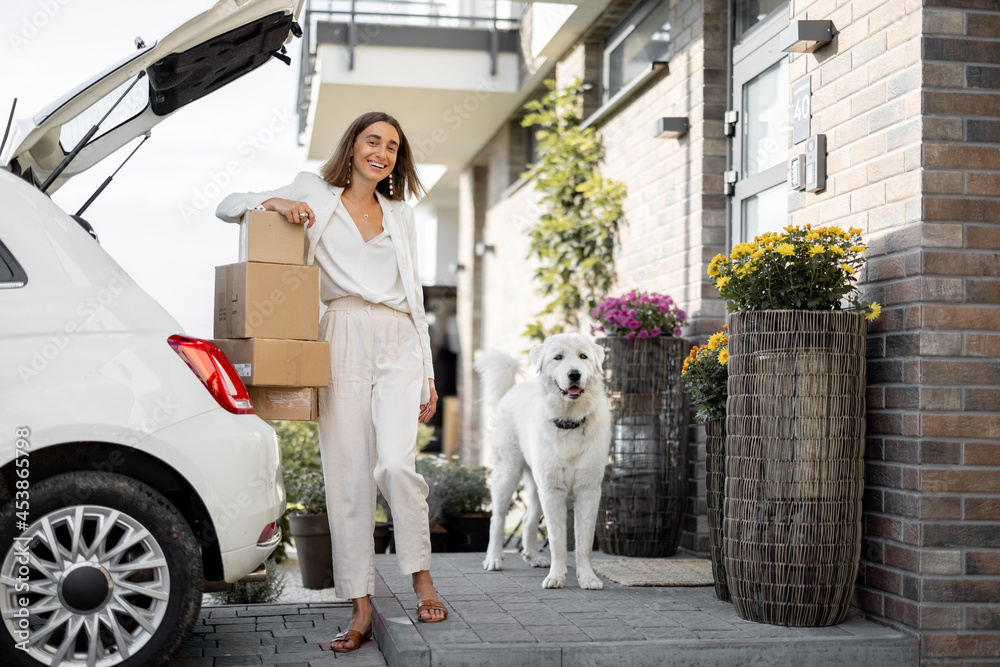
(465, 490)
(262, 592)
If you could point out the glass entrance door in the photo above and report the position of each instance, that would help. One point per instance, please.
(761, 142)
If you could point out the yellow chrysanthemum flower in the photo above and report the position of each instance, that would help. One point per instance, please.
(724, 356)
(858, 248)
(854, 231)
(812, 235)
(721, 282)
(836, 249)
(874, 310)
(816, 250)
(741, 249)
(715, 339)
(713, 270)
(758, 253)
(848, 269)
(785, 249)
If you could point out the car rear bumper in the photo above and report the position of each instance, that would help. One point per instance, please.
(233, 462)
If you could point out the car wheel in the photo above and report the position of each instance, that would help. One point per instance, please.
(106, 572)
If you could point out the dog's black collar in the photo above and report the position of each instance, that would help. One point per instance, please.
(568, 425)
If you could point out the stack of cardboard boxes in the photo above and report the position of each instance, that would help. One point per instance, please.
(267, 319)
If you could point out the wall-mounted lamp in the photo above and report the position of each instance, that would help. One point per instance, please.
(670, 128)
(806, 36)
(482, 249)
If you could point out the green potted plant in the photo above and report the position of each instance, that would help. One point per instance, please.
(429, 466)
(643, 353)
(795, 423)
(466, 496)
(705, 374)
(309, 525)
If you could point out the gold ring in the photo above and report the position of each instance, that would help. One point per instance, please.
(303, 215)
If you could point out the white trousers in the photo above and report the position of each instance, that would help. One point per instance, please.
(368, 433)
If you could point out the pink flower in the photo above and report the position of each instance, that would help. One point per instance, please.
(677, 333)
(643, 334)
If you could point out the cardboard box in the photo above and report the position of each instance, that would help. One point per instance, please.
(293, 403)
(278, 363)
(266, 236)
(257, 300)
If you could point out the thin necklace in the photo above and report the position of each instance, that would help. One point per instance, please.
(365, 215)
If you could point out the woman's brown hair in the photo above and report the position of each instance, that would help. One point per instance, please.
(336, 170)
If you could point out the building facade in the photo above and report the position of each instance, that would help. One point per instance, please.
(906, 96)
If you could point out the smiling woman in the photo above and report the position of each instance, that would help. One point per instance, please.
(362, 236)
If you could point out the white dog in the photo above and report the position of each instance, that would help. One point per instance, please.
(555, 432)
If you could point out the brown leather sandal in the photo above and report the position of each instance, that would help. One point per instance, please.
(428, 605)
(352, 636)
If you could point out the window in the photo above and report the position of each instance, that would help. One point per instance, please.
(751, 12)
(642, 39)
(133, 104)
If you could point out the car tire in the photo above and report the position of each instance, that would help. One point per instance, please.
(124, 588)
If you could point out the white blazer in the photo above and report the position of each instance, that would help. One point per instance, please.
(323, 199)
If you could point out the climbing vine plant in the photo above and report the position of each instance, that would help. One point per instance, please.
(574, 238)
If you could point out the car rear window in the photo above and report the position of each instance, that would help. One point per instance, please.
(11, 273)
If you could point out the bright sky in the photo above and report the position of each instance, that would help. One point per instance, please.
(157, 218)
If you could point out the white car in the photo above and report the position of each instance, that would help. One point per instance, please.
(132, 467)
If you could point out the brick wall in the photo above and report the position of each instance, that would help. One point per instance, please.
(909, 98)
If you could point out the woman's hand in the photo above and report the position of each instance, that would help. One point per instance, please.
(428, 409)
(296, 212)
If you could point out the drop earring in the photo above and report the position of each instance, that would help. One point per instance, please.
(350, 166)
(390, 184)
(348, 176)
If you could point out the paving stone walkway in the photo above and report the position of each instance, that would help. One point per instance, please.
(289, 635)
(506, 618)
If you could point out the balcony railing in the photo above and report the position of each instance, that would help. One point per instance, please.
(361, 21)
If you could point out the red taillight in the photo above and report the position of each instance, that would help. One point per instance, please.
(268, 533)
(215, 372)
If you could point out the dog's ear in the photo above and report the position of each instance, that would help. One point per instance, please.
(537, 356)
(598, 351)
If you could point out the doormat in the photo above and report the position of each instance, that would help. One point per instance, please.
(657, 571)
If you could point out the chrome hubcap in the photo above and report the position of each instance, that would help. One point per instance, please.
(85, 585)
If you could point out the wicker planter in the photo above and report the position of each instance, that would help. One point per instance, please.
(643, 491)
(715, 484)
(794, 471)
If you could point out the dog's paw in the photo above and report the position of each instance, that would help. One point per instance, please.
(554, 581)
(536, 560)
(493, 564)
(589, 581)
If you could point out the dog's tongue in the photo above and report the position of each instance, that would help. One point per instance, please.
(574, 391)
